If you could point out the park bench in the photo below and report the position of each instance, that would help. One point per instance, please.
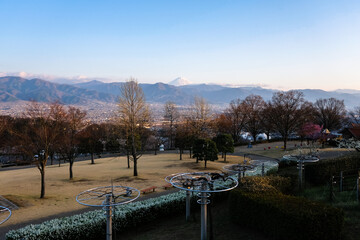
(167, 186)
(146, 190)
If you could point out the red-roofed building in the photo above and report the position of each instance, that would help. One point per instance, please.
(352, 132)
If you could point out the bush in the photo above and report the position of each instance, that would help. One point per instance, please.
(280, 216)
(286, 217)
(320, 172)
(91, 225)
(265, 184)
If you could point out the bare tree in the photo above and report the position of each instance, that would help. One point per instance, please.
(222, 124)
(133, 114)
(287, 112)
(236, 114)
(171, 116)
(355, 115)
(266, 122)
(73, 123)
(200, 117)
(90, 140)
(254, 106)
(40, 134)
(330, 113)
(5, 126)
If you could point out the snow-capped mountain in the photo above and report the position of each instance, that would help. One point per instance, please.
(179, 82)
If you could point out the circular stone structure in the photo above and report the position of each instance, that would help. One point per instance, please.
(5, 214)
(108, 197)
(204, 183)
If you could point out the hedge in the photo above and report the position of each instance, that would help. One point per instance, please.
(320, 172)
(91, 225)
(266, 184)
(282, 216)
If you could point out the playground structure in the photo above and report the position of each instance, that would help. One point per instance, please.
(301, 159)
(204, 183)
(108, 197)
(188, 207)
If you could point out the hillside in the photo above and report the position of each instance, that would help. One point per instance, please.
(17, 88)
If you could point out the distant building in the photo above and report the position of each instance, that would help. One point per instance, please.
(351, 132)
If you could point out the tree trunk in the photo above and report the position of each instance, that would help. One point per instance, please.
(71, 162)
(190, 152)
(128, 159)
(92, 158)
(135, 166)
(180, 153)
(42, 172)
(285, 141)
(205, 162)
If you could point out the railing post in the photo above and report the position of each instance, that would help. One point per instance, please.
(341, 181)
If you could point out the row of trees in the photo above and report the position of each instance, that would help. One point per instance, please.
(43, 131)
(285, 114)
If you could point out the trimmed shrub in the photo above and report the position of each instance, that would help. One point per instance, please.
(320, 172)
(280, 216)
(91, 225)
(265, 184)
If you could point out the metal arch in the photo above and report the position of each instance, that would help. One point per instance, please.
(303, 158)
(194, 182)
(5, 209)
(236, 168)
(122, 196)
(168, 178)
(270, 163)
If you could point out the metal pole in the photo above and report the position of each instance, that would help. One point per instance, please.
(203, 216)
(341, 181)
(357, 189)
(331, 188)
(263, 169)
(300, 174)
(187, 205)
(108, 219)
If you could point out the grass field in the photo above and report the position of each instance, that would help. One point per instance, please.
(22, 186)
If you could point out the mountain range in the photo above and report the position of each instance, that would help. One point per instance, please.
(17, 88)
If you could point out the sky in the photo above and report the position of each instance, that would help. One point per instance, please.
(275, 44)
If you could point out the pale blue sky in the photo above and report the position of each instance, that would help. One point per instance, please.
(279, 44)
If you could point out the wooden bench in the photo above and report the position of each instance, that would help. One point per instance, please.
(146, 190)
(167, 186)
